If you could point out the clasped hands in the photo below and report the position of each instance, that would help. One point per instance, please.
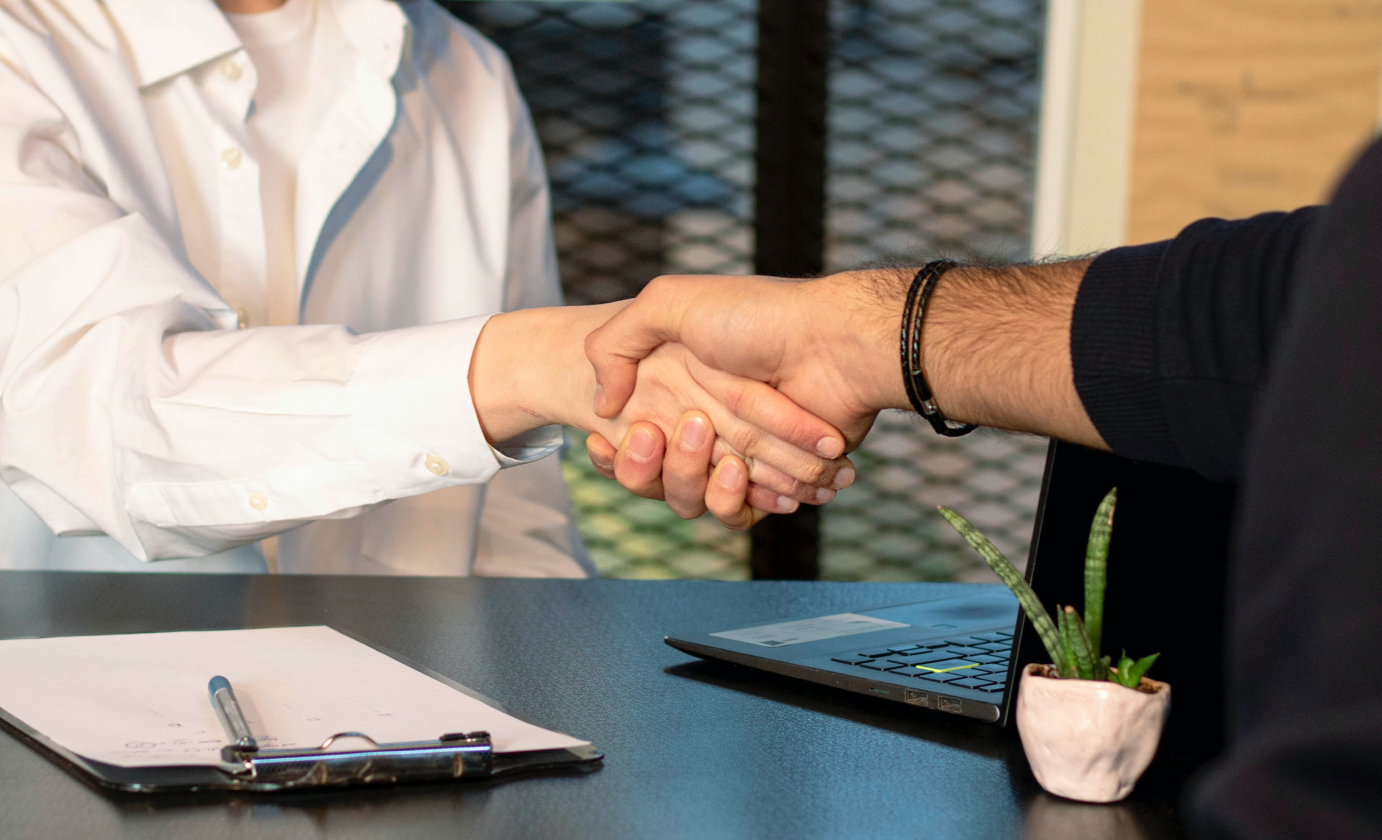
(797, 357)
(737, 395)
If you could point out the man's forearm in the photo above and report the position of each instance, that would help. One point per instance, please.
(996, 349)
(995, 344)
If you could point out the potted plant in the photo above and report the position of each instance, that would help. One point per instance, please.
(1089, 728)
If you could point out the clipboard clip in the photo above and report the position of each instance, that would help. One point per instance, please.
(452, 756)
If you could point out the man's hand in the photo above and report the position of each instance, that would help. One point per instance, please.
(824, 343)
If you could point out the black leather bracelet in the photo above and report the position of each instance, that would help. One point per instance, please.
(913, 377)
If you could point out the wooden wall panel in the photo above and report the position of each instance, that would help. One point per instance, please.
(1248, 105)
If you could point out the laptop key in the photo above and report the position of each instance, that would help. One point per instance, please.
(942, 678)
(910, 646)
(951, 664)
(922, 658)
(849, 660)
(878, 664)
(990, 637)
(989, 658)
(967, 640)
(908, 671)
(874, 654)
(966, 651)
(992, 688)
(969, 683)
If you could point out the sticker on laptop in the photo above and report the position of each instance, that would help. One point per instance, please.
(809, 630)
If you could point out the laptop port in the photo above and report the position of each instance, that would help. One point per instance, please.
(916, 698)
(949, 704)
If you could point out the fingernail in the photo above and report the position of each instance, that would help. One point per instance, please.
(694, 434)
(731, 475)
(829, 447)
(642, 445)
(786, 504)
(824, 495)
(844, 478)
(601, 461)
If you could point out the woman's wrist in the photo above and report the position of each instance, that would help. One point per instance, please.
(529, 369)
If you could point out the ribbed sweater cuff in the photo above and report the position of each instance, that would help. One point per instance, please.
(1113, 349)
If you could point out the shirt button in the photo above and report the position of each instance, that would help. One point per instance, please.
(437, 466)
(242, 318)
(259, 501)
(231, 158)
(230, 68)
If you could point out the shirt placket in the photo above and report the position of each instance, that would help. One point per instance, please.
(228, 85)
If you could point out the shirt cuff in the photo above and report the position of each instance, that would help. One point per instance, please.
(418, 427)
(1113, 350)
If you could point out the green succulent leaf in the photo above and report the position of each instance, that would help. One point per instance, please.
(1008, 573)
(1079, 645)
(1066, 665)
(1130, 672)
(1096, 570)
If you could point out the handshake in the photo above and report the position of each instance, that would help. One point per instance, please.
(742, 395)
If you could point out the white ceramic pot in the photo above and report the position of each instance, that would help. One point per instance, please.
(1089, 740)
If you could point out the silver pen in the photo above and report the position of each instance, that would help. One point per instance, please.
(232, 718)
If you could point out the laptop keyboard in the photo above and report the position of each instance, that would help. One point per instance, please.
(978, 662)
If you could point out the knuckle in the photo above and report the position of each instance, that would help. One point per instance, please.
(739, 399)
(745, 439)
(814, 472)
(736, 522)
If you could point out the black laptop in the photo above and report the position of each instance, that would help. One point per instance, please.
(962, 654)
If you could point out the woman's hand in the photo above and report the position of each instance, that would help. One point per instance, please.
(684, 475)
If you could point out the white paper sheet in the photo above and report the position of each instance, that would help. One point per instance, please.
(141, 700)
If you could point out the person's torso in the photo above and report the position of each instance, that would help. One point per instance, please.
(400, 205)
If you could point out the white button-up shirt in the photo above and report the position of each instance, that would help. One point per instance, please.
(139, 420)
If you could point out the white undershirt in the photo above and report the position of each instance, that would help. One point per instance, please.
(288, 47)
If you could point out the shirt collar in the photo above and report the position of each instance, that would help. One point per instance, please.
(167, 38)
(376, 28)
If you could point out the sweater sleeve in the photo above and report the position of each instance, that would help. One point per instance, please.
(1170, 340)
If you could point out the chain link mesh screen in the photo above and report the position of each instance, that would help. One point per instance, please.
(646, 115)
(932, 131)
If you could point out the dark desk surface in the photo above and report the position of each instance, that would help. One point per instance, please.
(693, 749)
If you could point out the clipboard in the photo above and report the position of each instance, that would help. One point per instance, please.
(460, 756)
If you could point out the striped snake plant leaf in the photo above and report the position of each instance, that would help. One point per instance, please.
(1096, 570)
(1045, 627)
(1085, 663)
(1066, 666)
